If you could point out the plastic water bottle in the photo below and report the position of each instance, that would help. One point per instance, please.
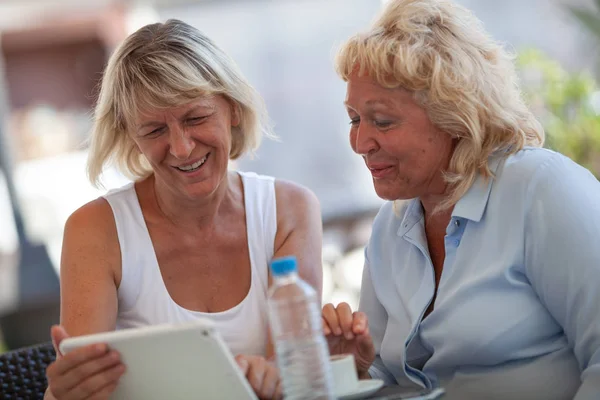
(296, 327)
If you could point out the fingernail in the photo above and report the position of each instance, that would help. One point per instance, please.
(349, 336)
(338, 331)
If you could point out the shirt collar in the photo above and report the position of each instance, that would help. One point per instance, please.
(411, 211)
(472, 205)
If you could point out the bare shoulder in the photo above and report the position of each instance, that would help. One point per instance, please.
(298, 214)
(90, 237)
(294, 201)
(97, 213)
(300, 230)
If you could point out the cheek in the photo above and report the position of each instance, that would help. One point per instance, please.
(216, 135)
(153, 150)
(428, 160)
(229, 137)
(140, 148)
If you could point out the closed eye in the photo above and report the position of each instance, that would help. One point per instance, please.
(195, 120)
(155, 132)
(355, 121)
(382, 124)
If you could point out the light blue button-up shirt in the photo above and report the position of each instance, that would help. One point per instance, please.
(517, 312)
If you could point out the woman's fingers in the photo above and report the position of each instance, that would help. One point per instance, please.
(270, 382)
(278, 391)
(83, 372)
(256, 374)
(330, 317)
(104, 392)
(359, 322)
(58, 334)
(262, 375)
(344, 315)
(99, 383)
(341, 320)
(75, 358)
(242, 363)
(326, 329)
(93, 369)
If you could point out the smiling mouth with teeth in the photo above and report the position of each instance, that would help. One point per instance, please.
(195, 166)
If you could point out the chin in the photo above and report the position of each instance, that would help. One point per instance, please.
(388, 193)
(199, 191)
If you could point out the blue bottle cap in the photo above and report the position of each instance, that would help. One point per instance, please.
(284, 265)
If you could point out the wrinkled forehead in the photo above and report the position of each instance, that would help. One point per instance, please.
(362, 90)
(142, 102)
(204, 104)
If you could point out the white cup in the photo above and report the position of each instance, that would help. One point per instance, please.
(343, 371)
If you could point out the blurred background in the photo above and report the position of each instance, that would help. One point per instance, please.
(52, 53)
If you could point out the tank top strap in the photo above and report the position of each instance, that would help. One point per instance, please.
(134, 241)
(261, 220)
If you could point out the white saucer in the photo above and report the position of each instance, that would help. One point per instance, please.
(364, 388)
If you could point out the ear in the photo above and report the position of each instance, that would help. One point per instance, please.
(235, 113)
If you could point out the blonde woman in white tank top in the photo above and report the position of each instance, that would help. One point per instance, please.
(189, 238)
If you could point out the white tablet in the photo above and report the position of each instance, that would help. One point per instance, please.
(187, 361)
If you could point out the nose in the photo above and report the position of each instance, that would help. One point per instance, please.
(363, 140)
(181, 144)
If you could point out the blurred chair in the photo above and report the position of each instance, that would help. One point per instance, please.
(23, 372)
(29, 323)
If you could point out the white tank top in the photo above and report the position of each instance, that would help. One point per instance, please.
(143, 297)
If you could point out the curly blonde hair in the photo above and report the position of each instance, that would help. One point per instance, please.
(465, 81)
(164, 65)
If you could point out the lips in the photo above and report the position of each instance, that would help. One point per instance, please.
(193, 167)
(379, 170)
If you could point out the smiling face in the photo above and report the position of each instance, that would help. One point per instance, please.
(188, 146)
(403, 150)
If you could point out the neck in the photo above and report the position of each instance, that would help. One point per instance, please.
(430, 204)
(188, 212)
(437, 191)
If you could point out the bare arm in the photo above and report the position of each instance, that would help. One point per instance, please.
(90, 270)
(89, 276)
(299, 233)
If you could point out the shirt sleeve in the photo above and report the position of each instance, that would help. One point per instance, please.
(562, 245)
(377, 316)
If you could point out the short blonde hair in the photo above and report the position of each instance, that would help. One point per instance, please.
(165, 65)
(464, 80)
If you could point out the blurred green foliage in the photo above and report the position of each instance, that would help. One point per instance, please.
(567, 104)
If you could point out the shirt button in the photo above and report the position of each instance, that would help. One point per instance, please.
(456, 242)
(456, 222)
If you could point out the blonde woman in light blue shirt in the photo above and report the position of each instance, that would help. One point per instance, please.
(482, 273)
